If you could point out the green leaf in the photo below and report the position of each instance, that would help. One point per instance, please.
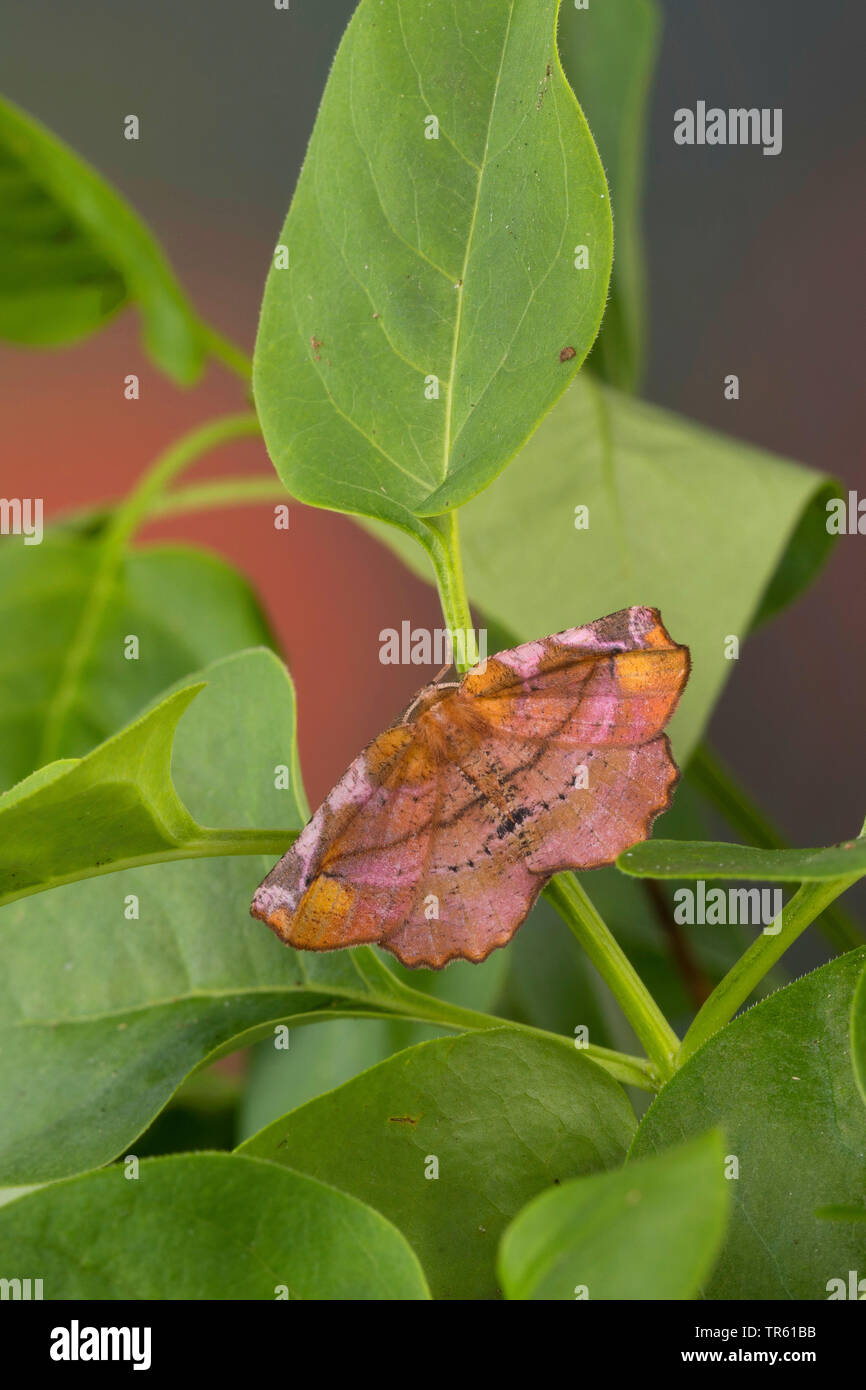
(679, 519)
(186, 606)
(74, 818)
(858, 1034)
(72, 253)
(778, 1081)
(804, 556)
(648, 1231)
(713, 859)
(413, 257)
(102, 1013)
(608, 53)
(504, 1114)
(249, 1230)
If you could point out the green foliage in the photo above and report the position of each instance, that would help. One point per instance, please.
(661, 495)
(186, 607)
(323, 1058)
(249, 1230)
(107, 1021)
(779, 1083)
(668, 1213)
(112, 808)
(416, 257)
(72, 253)
(504, 1115)
(608, 53)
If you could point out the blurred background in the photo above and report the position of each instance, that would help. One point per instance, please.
(754, 268)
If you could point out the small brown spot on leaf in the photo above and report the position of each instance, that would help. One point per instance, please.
(402, 1119)
(567, 354)
(315, 344)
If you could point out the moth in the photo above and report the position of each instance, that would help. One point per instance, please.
(440, 836)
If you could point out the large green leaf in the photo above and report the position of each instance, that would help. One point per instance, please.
(244, 1230)
(185, 606)
(504, 1115)
(411, 258)
(608, 53)
(779, 1082)
(715, 859)
(679, 519)
(650, 1230)
(103, 1013)
(72, 252)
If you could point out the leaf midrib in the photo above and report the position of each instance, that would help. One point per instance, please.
(461, 288)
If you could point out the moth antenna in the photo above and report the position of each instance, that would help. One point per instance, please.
(445, 685)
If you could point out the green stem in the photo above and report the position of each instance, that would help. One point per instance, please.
(761, 956)
(210, 844)
(424, 1008)
(121, 527)
(448, 564)
(721, 789)
(222, 492)
(226, 352)
(567, 895)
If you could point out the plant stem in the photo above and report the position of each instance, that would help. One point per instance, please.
(119, 531)
(225, 351)
(448, 564)
(567, 895)
(222, 492)
(717, 784)
(761, 956)
(209, 844)
(424, 1008)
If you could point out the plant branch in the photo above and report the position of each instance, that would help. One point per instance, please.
(222, 492)
(572, 903)
(119, 531)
